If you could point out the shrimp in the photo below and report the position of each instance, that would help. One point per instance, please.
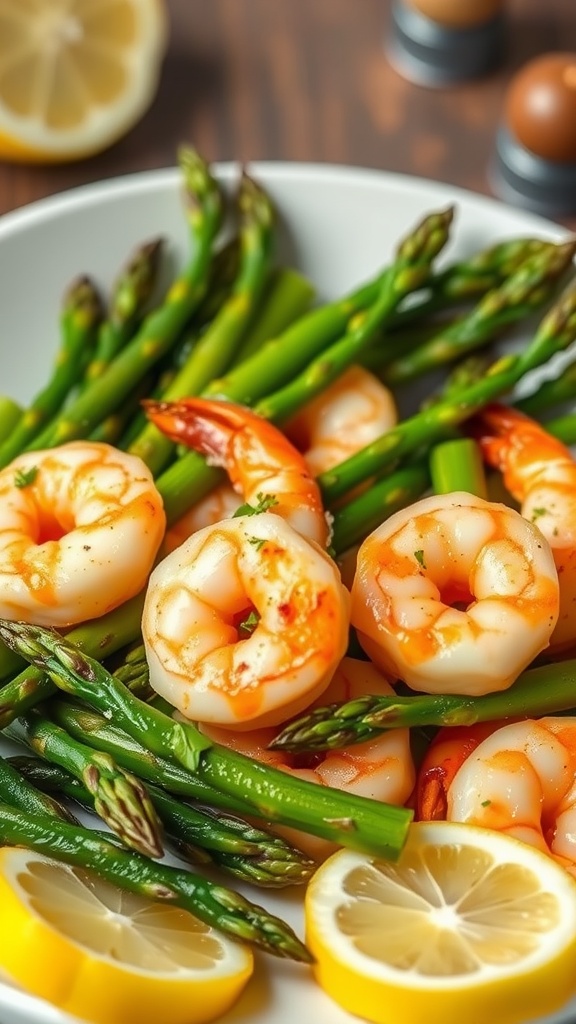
(540, 473)
(521, 779)
(219, 504)
(244, 623)
(381, 768)
(259, 460)
(80, 526)
(445, 755)
(353, 411)
(455, 595)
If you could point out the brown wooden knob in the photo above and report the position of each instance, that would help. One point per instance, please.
(540, 107)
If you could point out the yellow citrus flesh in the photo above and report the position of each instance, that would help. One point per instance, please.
(468, 925)
(109, 956)
(75, 75)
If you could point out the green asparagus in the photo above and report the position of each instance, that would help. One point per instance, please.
(81, 314)
(120, 799)
(545, 690)
(556, 332)
(19, 792)
(217, 347)
(199, 834)
(532, 285)
(161, 327)
(217, 906)
(126, 308)
(343, 818)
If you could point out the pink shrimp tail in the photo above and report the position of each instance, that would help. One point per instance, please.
(445, 755)
(499, 429)
(205, 426)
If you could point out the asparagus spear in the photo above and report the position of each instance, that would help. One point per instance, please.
(21, 793)
(190, 475)
(10, 415)
(563, 427)
(130, 294)
(556, 332)
(457, 465)
(91, 726)
(199, 834)
(530, 287)
(288, 296)
(216, 348)
(545, 690)
(353, 521)
(550, 392)
(99, 638)
(410, 270)
(81, 314)
(162, 327)
(120, 799)
(348, 820)
(471, 278)
(217, 906)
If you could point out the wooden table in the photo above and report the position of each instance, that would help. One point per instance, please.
(308, 80)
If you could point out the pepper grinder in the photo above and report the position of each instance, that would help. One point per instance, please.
(535, 159)
(443, 42)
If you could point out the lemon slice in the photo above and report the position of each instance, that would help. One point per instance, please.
(109, 956)
(75, 75)
(468, 925)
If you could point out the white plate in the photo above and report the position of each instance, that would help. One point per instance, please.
(339, 225)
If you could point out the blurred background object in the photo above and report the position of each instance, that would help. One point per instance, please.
(535, 162)
(442, 42)
(309, 80)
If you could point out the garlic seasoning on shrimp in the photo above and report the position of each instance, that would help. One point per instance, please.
(244, 623)
(455, 595)
(80, 526)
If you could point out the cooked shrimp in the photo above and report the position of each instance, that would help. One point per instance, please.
(521, 779)
(382, 768)
(219, 504)
(540, 472)
(455, 595)
(257, 457)
(80, 526)
(444, 756)
(205, 598)
(354, 410)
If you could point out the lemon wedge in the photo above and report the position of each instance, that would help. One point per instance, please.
(108, 956)
(468, 925)
(75, 75)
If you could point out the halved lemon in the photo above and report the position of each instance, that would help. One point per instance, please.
(468, 925)
(75, 75)
(108, 956)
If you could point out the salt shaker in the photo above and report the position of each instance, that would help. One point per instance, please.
(535, 160)
(443, 42)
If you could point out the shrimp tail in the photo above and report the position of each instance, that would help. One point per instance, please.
(497, 428)
(205, 426)
(448, 751)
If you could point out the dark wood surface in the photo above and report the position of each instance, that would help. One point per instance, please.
(309, 80)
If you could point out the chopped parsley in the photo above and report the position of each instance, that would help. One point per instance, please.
(537, 512)
(257, 542)
(264, 503)
(249, 623)
(419, 556)
(25, 477)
